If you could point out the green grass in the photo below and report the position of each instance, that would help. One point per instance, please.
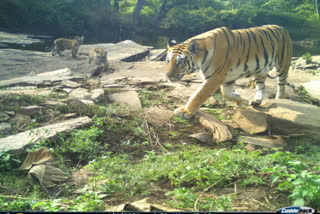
(13, 102)
(137, 161)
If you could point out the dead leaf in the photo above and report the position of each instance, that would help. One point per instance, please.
(36, 157)
(49, 177)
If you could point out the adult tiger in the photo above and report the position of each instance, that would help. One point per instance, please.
(224, 55)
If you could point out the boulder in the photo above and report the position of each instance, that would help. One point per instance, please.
(80, 93)
(43, 92)
(289, 117)
(251, 120)
(47, 78)
(313, 88)
(126, 51)
(263, 142)
(204, 137)
(21, 41)
(158, 117)
(4, 116)
(130, 98)
(97, 94)
(158, 54)
(16, 143)
(147, 70)
(5, 128)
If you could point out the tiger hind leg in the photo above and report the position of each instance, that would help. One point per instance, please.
(260, 91)
(282, 81)
(54, 51)
(228, 92)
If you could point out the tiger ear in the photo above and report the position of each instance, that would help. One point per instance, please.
(193, 47)
(171, 43)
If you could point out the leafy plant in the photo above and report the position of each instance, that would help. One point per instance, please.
(8, 160)
(308, 57)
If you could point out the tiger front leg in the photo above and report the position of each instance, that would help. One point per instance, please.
(74, 52)
(208, 87)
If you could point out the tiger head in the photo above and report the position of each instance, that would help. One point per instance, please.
(100, 56)
(180, 59)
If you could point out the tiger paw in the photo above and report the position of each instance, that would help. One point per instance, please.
(254, 102)
(182, 112)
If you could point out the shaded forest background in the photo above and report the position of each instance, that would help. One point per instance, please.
(109, 20)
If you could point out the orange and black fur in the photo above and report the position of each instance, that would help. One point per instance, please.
(224, 55)
(63, 44)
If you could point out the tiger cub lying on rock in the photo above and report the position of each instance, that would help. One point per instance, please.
(99, 58)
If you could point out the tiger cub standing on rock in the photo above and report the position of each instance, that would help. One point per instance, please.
(99, 58)
(71, 44)
(224, 56)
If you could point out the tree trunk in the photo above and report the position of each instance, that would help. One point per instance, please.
(163, 10)
(116, 5)
(316, 1)
(137, 10)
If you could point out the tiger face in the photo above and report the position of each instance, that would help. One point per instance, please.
(178, 61)
(98, 56)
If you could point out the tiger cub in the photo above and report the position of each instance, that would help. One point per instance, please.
(71, 44)
(224, 56)
(99, 57)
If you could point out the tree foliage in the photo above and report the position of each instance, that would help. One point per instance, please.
(69, 17)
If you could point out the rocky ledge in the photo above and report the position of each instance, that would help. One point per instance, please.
(134, 67)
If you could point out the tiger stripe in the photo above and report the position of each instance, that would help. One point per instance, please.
(228, 55)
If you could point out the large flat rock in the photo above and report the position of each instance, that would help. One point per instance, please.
(21, 63)
(137, 71)
(290, 117)
(20, 39)
(41, 78)
(126, 51)
(16, 143)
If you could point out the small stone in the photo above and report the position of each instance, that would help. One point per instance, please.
(97, 94)
(204, 137)
(130, 98)
(158, 117)
(87, 102)
(264, 142)
(81, 177)
(20, 119)
(69, 115)
(4, 116)
(80, 93)
(70, 84)
(31, 110)
(5, 128)
(11, 113)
